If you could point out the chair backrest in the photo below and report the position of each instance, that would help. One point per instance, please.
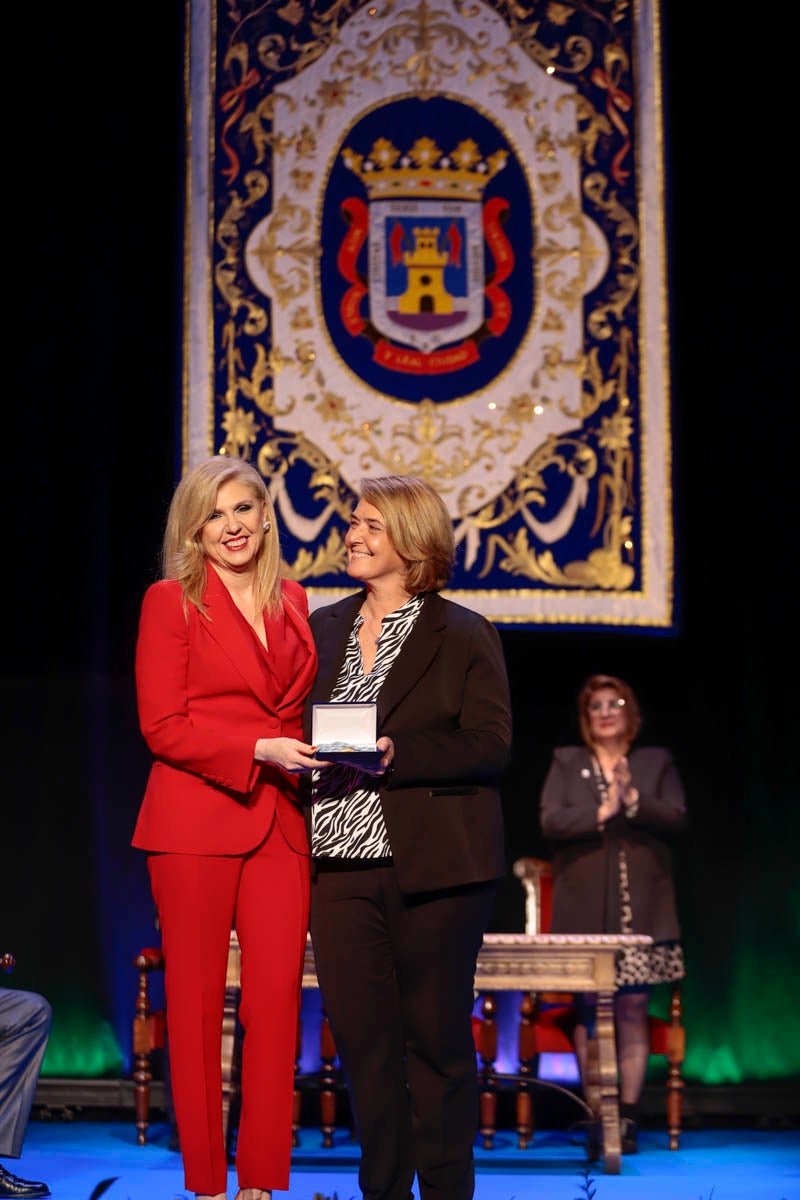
(536, 876)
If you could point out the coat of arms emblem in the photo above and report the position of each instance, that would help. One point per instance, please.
(424, 256)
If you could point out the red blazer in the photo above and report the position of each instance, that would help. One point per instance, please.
(206, 692)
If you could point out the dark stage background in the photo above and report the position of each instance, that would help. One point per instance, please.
(93, 189)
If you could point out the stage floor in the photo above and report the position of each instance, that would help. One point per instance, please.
(73, 1157)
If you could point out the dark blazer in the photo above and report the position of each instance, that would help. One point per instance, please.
(445, 703)
(205, 695)
(585, 861)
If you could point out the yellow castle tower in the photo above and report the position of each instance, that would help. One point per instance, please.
(425, 291)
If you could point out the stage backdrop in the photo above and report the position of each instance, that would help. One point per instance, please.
(427, 238)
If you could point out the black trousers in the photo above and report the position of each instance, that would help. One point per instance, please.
(397, 980)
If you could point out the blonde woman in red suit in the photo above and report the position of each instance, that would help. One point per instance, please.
(224, 662)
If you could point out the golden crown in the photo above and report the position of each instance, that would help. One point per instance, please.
(424, 173)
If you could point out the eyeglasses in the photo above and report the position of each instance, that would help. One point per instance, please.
(609, 706)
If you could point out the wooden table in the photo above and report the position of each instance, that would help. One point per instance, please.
(568, 962)
(519, 962)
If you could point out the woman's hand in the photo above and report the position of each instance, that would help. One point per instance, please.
(628, 794)
(387, 757)
(609, 808)
(287, 753)
(614, 793)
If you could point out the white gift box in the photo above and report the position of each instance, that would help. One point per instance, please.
(346, 733)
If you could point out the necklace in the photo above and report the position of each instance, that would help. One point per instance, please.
(375, 635)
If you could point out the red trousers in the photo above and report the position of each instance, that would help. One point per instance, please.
(264, 895)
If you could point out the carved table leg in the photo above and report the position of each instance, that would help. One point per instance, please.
(609, 1094)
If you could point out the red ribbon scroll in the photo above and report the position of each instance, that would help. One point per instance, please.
(355, 211)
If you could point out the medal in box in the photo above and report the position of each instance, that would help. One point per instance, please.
(346, 733)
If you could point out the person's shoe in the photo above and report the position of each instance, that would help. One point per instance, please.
(629, 1136)
(23, 1189)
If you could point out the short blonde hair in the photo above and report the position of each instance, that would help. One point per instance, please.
(418, 526)
(193, 501)
(596, 683)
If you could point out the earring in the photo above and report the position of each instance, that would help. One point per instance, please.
(267, 526)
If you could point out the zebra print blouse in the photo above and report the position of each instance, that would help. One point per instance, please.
(346, 816)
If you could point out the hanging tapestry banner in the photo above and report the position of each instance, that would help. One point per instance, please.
(427, 238)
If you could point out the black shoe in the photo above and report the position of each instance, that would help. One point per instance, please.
(629, 1136)
(26, 1189)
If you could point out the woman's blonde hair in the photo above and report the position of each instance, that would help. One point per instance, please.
(194, 500)
(596, 683)
(418, 526)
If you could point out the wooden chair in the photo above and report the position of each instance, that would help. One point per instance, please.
(150, 1035)
(549, 1018)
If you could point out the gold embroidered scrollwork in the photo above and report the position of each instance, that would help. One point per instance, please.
(427, 439)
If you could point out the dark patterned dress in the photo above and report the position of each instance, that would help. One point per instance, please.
(638, 966)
